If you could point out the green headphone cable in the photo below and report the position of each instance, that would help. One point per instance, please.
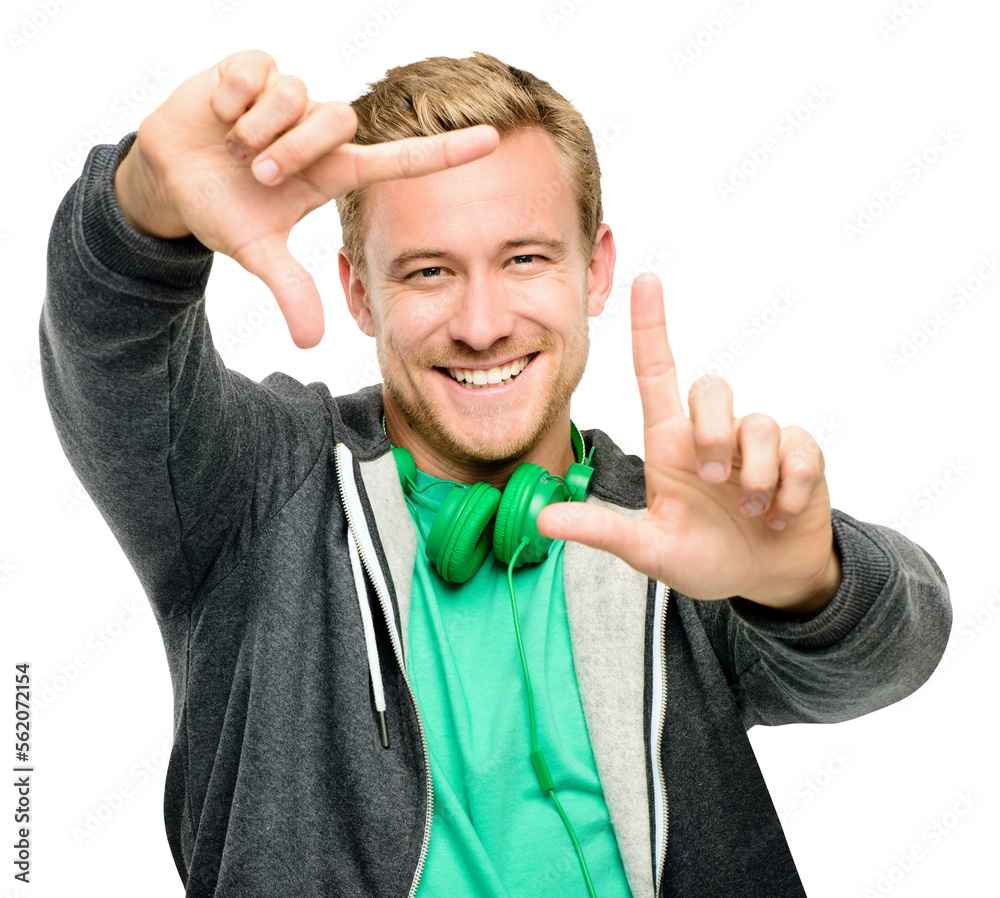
(413, 495)
(537, 758)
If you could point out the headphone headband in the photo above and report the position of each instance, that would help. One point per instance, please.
(473, 516)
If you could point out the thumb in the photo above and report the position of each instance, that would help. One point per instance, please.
(292, 286)
(594, 526)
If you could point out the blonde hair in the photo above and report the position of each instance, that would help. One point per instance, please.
(443, 94)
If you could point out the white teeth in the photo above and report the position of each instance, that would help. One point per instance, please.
(480, 377)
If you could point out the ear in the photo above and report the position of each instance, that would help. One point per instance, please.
(600, 271)
(357, 296)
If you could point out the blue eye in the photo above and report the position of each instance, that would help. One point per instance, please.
(518, 259)
(426, 272)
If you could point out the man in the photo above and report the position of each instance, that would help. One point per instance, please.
(350, 719)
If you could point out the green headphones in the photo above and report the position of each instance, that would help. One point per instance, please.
(472, 517)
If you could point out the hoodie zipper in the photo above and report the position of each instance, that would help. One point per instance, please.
(350, 495)
(656, 738)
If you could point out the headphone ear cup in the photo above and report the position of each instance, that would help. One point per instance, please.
(505, 525)
(528, 491)
(460, 537)
(578, 479)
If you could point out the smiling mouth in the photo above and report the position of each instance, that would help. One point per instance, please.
(477, 378)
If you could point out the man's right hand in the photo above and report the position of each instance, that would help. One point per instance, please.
(238, 154)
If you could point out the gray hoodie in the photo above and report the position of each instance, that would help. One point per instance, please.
(266, 525)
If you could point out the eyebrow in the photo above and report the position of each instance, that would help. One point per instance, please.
(557, 248)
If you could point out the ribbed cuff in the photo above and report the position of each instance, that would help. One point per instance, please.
(180, 264)
(866, 569)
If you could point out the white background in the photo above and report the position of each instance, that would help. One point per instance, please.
(860, 800)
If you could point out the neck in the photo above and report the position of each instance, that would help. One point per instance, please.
(554, 452)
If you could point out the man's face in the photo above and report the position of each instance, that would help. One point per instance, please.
(478, 294)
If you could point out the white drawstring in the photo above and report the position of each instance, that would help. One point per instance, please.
(361, 585)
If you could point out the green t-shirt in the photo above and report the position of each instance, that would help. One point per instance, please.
(494, 832)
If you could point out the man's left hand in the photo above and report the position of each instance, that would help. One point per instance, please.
(735, 506)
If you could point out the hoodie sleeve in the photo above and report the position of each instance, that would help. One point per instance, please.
(174, 448)
(877, 641)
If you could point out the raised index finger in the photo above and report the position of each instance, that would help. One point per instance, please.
(417, 156)
(655, 370)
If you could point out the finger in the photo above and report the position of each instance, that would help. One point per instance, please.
(652, 358)
(325, 127)
(800, 472)
(293, 287)
(275, 110)
(758, 439)
(242, 77)
(711, 403)
(595, 526)
(353, 166)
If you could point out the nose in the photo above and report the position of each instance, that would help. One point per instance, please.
(482, 313)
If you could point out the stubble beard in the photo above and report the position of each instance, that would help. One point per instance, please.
(496, 443)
